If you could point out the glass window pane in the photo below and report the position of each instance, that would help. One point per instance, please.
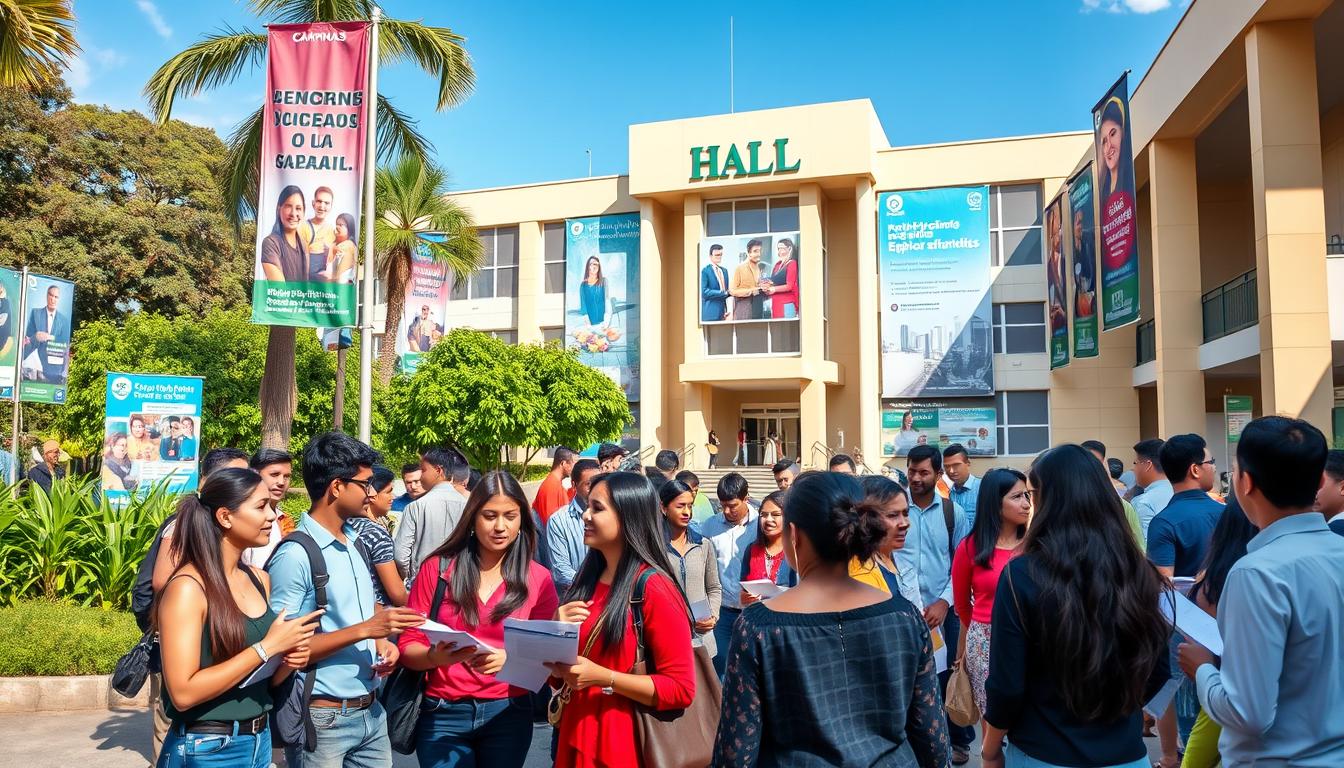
(994, 249)
(1023, 339)
(1028, 440)
(1019, 314)
(508, 337)
(555, 277)
(720, 338)
(749, 217)
(752, 338)
(459, 290)
(1028, 407)
(483, 284)
(379, 291)
(784, 214)
(487, 247)
(1023, 246)
(994, 207)
(718, 219)
(1021, 205)
(508, 282)
(998, 342)
(506, 245)
(553, 241)
(784, 337)
(552, 334)
(1003, 446)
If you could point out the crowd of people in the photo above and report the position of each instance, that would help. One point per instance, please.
(823, 622)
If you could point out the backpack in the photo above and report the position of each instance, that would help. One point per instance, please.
(142, 595)
(950, 517)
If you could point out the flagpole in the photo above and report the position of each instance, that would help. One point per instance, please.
(370, 272)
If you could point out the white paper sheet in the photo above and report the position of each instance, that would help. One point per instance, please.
(939, 649)
(701, 610)
(439, 633)
(263, 672)
(1189, 620)
(530, 644)
(763, 588)
(1183, 584)
(1157, 706)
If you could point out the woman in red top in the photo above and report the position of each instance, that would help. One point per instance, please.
(764, 558)
(622, 530)
(468, 716)
(1003, 508)
(784, 276)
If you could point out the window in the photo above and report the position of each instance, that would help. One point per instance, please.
(498, 275)
(775, 337)
(1015, 225)
(553, 256)
(1019, 328)
(508, 337)
(552, 334)
(1023, 422)
(747, 217)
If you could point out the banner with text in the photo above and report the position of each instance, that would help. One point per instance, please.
(749, 277)
(602, 296)
(10, 323)
(1056, 290)
(1119, 225)
(1083, 219)
(933, 262)
(426, 305)
(45, 362)
(906, 425)
(152, 430)
(312, 160)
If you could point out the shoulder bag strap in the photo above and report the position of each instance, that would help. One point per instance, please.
(1021, 617)
(637, 615)
(439, 589)
(317, 564)
(949, 517)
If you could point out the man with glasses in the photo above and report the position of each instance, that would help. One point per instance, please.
(1154, 488)
(430, 519)
(170, 447)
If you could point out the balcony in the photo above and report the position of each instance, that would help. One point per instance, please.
(1231, 307)
(1145, 343)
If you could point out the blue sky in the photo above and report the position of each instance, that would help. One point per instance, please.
(555, 79)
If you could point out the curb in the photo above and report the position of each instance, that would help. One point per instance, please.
(65, 694)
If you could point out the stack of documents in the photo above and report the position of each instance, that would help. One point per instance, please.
(529, 645)
(439, 633)
(763, 588)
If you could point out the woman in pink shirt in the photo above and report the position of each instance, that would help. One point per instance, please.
(468, 716)
(1003, 508)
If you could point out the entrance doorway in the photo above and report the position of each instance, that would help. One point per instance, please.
(764, 422)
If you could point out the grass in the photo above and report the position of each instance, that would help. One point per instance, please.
(40, 637)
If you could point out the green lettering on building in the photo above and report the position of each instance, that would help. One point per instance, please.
(705, 162)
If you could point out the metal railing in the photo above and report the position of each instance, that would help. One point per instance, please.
(688, 450)
(1231, 307)
(1145, 343)
(855, 453)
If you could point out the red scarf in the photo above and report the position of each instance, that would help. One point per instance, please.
(756, 560)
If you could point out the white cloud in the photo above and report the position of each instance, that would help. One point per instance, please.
(151, 12)
(91, 62)
(77, 75)
(1121, 6)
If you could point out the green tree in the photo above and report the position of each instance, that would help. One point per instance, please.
(481, 395)
(412, 199)
(37, 40)
(221, 58)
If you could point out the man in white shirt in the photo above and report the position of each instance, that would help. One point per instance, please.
(1148, 474)
(732, 531)
(276, 469)
(429, 520)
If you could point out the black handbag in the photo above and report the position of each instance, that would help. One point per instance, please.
(404, 690)
(133, 669)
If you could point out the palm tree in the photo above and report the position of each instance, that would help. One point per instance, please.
(37, 40)
(221, 58)
(412, 200)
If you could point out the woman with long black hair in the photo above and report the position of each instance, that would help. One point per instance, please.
(283, 255)
(694, 561)
(622, 531)
(1079, 643)
(216, 628)
(469, 717)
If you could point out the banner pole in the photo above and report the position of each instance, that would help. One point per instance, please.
(18, 370)
(370, 168)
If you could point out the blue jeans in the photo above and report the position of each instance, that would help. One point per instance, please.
(491, 733)
(243, 750)
(723, 638)
(346, 738)
(959, 735)
(1016, 758)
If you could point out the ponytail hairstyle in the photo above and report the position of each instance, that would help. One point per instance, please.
(463, 550)
(196, 542)
(830, 509)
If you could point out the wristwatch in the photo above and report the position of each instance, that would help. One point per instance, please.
(610, 688)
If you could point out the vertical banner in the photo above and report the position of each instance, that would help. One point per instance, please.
(152, 430)
(45, 361)
(1083, 218)
(425, 307)
(312, 158)
(1115, 190)
(933, 265)
(1056, 290)
(602, 295)
(10, 323)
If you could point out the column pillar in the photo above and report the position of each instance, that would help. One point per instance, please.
(812, 329)
(692, 229)
(696, 419)
(1286, 177)
(811, 412)
(531, 255)
(651, 378)
(1177, 288)
(869, 389)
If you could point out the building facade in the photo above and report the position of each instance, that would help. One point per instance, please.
(1238, 140)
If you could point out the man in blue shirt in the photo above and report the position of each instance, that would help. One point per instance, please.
(410, 475)
(732, 531)
(1330, 496)
(1280, 686)
(1178, 537)
(965, 486)
(351, 653)
(564, 531)
(1154, 488)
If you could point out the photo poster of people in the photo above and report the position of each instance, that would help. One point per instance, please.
(934, 270)
(10, 322)
(749, 277)
(312, 161)
(908, 424)
(1083, 223)
(152, 431)
(1115, 191)
(1056, 289)
(426, 305)
(602, 296)
(44, 362)
(335, 339)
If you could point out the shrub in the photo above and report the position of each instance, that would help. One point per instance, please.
(41, 637)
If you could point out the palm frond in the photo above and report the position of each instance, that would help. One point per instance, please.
(437, 50)
(398, 133)
(37, 40)
(412, 198)
(240, 174)
(309, 11)
(209, 63)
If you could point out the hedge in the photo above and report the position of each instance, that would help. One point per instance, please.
(40, 637)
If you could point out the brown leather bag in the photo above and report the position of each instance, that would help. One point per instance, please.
(675, 738)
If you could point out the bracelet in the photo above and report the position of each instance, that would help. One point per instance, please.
(265, 657)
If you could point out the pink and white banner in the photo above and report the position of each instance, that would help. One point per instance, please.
(313, 140)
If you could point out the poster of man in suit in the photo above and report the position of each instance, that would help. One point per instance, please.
(45, 361)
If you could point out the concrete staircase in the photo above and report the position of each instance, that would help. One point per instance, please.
(760, 480)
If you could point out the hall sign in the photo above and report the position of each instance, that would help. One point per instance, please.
(738, 164)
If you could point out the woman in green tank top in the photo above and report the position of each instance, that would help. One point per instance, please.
(217, 631)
